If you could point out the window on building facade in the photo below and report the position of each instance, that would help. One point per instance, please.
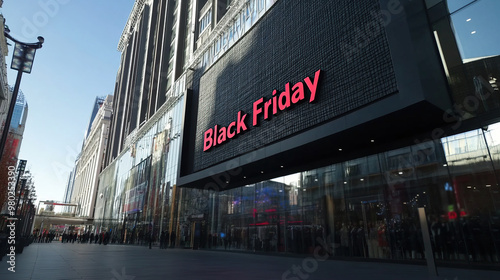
(172, 38)
(206, 20)
(172, 52)
(169, 82)
(261, 5)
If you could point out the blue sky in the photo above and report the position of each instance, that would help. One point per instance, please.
(79, 61)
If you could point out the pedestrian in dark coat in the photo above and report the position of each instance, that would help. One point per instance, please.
(162, 240)
(172, 239)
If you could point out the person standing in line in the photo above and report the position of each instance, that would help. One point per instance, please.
(172, 239)
(106, 238)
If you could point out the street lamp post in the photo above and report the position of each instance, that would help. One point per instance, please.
(23, 185)
(20, 171)
(28, 217)
(26, 209)
(22, 61)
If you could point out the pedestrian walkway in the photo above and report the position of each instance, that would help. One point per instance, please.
(53, 261)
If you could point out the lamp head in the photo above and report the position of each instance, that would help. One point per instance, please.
(41, 39)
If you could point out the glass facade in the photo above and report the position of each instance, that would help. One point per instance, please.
(134, 200)
(467, 37)
(366, 207)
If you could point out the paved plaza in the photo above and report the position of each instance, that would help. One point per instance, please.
(53, 261)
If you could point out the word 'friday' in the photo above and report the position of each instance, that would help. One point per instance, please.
(218, 135)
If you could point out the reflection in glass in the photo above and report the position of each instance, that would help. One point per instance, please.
(368, 207)
(476, 28)
(468, 40)
(455, 5)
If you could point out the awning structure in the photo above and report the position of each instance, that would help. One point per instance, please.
(62, 220)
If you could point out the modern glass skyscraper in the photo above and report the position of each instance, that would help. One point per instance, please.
(97, 104)
(19, 114)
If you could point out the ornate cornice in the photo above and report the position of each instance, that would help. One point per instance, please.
(134, 16)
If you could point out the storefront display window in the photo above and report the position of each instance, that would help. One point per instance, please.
(368, 207)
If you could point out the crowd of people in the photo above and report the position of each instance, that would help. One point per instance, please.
(72, 237)
(166, 239)
(44, 237)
